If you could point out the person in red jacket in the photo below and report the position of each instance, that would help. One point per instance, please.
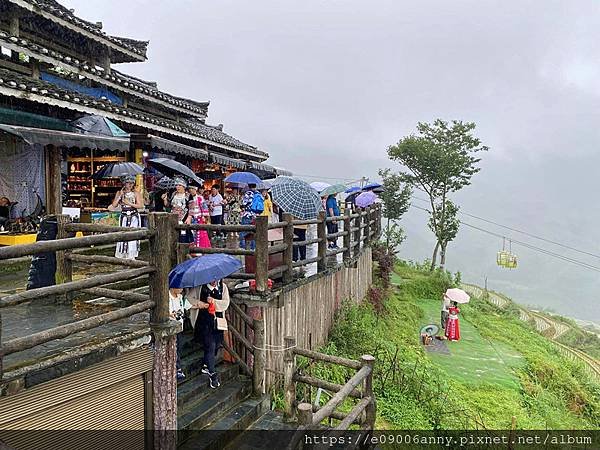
(452, 325)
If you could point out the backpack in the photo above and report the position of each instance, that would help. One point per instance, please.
(258, 203)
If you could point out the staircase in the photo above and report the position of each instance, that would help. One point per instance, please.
(224, 410)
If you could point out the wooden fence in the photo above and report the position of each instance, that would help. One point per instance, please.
(359, 387)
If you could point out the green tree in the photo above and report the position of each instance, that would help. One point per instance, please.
(445, 224)
(439, 159)
(396, 201)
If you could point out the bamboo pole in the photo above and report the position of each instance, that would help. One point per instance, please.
(288, 238)
(322, 248)
(328, 358)
(260, 358)
(35, 248)
(262, 253)
(93, 259)
(23, 343)
(289, 385)
(97, 280)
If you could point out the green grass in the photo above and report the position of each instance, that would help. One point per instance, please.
(500, 368)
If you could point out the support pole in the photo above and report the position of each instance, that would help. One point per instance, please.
(305, 414)
(348, 236)
(322, 249)
(367, 232)
(357, 223)
(262, 253)
(371, 409)
(162, 254)
(288, 238)
(260, 356)
(64, 266)
(54, 194)
(289, 368)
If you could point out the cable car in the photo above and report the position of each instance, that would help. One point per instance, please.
(506, 258)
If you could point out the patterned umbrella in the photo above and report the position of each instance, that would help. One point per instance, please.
(296, 197)
(117, 170)
(165, 184)
(333, 190)
(319, 185)
(365, 199)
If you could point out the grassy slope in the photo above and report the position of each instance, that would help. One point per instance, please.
(501, 367)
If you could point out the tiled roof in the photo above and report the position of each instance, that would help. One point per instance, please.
(217, 135)
(53, 10)
(22, 86)
(115, 80)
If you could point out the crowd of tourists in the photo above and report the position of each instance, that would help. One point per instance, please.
(204, 300)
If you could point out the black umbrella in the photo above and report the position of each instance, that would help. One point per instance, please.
(119, 169)
(165, 184)
(172, 168)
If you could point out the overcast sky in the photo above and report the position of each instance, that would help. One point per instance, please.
(326, 86)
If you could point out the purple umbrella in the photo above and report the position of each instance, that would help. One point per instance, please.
(365, 199)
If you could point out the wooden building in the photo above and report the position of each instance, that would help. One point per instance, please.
(56, 68)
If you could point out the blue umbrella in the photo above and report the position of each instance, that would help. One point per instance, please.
(202, 270)
(371, 186)
(352, 189)
(242, 177)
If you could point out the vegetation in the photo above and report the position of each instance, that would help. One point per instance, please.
(439, 160)
(396, 201)
(499, 369)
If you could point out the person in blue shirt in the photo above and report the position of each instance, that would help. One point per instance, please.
(333, 210)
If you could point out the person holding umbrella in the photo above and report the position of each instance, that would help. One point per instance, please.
(128, 200)
(209, 297)
(455, 296)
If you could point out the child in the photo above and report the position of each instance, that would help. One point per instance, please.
(178, 305)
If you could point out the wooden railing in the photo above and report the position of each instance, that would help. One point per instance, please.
(160, 235)
(358, 230)
(359, 386)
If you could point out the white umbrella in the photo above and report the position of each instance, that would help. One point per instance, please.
(457, 295)
(319, 185)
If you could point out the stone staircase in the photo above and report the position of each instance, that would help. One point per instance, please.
(217, 418)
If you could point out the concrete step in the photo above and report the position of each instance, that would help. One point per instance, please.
(194, 387)
(199, 413)
(191, 364)
(228, 426)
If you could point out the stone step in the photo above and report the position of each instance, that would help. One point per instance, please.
(193, 388)
(254, 438)
(191, 364)
(228, 426)
(198, 414)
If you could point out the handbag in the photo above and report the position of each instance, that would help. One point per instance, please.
(221, 324)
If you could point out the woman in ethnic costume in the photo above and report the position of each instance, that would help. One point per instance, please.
(179, 205)
(129, 201)
(452, 326)
(198, 212)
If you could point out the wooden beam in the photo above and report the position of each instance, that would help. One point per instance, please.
(16, 251)
(354, 414)
(328, 386)
(328, 358)
(99, 259)
(23, 343)
(260, 358)
(262, 253)
(98, 280)
(98, 228)
(117, 295)
(289, 385)
(162, 257)
(54, 194)
(288, 238)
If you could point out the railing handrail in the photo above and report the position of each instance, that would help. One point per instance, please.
(35, 248)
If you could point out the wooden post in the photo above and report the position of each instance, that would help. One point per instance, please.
(348, 236)
(64, 266)
(289, 385)
(260, 357)
(371, 409)
(305, 414)
(322, 249)
(288, 238)
(367, 229)
(162, 253)
(262, 253)
(357, 224)
(53, 180)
